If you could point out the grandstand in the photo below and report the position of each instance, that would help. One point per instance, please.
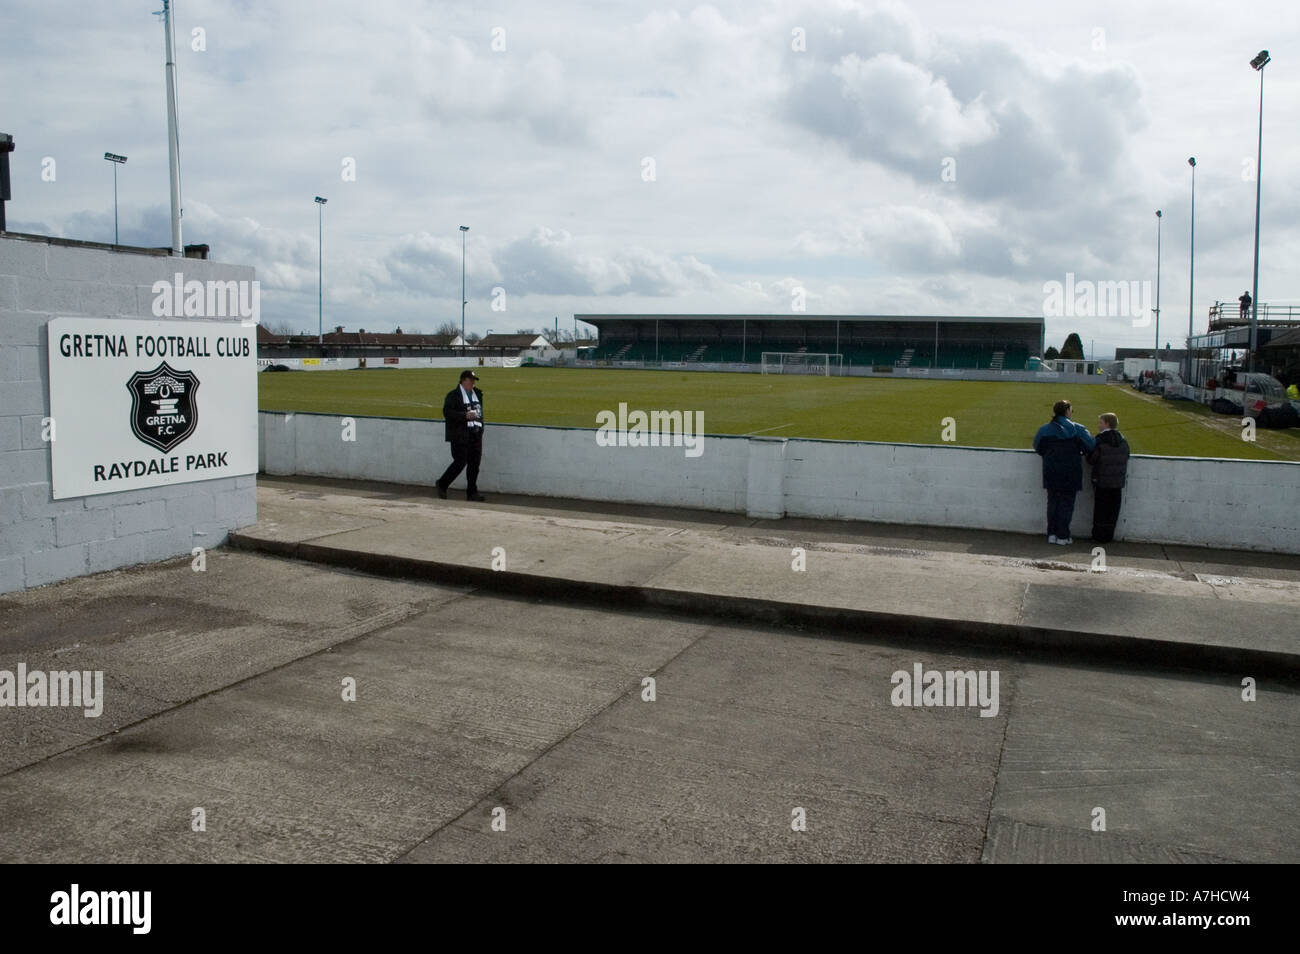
(864, 341)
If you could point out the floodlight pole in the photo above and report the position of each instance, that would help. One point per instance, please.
(173, 133)
(463, 303)
(1260, 61)
(1191, 281)
(116, 160)
(320, 274)
(1155, 355)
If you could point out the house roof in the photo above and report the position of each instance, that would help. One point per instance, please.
(265, 337)
(806, 318)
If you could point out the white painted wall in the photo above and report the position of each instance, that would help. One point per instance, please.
(1250, 505)
(43, 540)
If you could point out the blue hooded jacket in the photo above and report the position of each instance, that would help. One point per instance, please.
(1062, 444)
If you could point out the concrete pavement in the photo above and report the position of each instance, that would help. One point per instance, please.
(225, 695)
(1168, 607)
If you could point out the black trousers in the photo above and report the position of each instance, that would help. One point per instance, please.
(465, 455)
(1105, 513)
(1060, 510)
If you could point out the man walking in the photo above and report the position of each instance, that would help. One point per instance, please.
(462, 413)
(1109, 461)
(1062, 443)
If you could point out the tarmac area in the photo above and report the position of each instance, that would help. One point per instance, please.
(351, 681)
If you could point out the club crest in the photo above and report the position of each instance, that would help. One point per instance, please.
(163, 407)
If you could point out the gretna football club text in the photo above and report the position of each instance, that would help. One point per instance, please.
(153, 346)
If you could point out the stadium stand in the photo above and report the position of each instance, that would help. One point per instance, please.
(884, 341)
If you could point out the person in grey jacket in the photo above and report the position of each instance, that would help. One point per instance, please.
(1109, 460)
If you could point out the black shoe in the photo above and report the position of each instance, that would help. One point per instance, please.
(477, 498)
(442, 491)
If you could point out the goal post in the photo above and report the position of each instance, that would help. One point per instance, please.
(802, 362)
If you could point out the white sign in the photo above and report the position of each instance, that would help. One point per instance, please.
(144, 403)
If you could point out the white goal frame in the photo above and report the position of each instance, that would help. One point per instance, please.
(802, 362)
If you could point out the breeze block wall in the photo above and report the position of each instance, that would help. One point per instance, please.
(43, 540)
(1233, 504)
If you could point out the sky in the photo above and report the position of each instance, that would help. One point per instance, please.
(932, 158)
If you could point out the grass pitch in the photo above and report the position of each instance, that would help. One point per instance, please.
(987, 414)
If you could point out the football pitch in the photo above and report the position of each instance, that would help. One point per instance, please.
(913, 411)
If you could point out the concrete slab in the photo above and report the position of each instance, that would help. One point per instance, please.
(746, 728)
(447, 706)
(1011, 842)
(1133, 554)
(1184, 768)
(477, 701)
(1247, 622)
(164, 634)
(1015, 603)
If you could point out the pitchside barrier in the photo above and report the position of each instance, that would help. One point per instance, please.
(380, 361)
(1233, 504)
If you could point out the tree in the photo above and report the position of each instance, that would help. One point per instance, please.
(1072, 350)
(448, 328)
(471, 337)
(1051, 354)
(526, 331)
(282, 327)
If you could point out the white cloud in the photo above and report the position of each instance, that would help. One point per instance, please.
(820, 168)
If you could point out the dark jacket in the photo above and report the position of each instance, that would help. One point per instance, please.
(1109, 460)
(1062, 443)
(453, 413)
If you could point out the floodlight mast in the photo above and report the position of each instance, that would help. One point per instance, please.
(1155, 355)
(463, 302)
(116, 160)
(320, 273)
(173, 133)
(1260, 61)
(1191, 273)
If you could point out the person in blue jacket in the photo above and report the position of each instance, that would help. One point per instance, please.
(1062, 444)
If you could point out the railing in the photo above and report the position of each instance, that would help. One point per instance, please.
(1227, 314)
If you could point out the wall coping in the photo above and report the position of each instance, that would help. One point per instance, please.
(810, 440)
(152, 252)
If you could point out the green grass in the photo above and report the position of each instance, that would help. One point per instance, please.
(987, 414)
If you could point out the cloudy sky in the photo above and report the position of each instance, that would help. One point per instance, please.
(929, 158)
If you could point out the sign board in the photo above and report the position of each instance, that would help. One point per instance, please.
(144, 403)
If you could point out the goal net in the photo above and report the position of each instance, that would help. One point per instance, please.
(801, 362)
